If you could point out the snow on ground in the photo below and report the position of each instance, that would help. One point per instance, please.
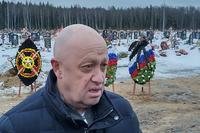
(170, 66)
(166, 67)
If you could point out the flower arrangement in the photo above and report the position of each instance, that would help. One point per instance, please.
(111, 69)
(142, 70)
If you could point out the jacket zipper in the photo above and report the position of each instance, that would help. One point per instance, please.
(86, 129)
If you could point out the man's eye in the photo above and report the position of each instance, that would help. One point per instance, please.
(103, 66)
(87, 66)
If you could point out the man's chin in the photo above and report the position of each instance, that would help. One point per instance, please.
(93, 101)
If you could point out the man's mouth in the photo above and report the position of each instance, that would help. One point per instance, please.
(96, 92)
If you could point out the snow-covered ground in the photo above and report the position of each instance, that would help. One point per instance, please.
(166, 67)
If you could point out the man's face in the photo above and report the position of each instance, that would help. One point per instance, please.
(83, 75)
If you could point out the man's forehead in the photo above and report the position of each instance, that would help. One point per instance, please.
(99, 46)
(94, 58)
(92, 49)
(86, 46)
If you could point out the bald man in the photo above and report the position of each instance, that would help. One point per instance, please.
(73, 99)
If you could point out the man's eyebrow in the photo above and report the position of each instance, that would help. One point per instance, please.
(89, 59)
(93, 60)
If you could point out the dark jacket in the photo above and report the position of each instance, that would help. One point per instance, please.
(45, 112)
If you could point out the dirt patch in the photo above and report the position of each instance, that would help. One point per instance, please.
(8, 82)
(173, 107)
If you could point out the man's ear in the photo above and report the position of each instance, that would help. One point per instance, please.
(56, 68)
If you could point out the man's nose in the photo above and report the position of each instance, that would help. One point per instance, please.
(98, 76)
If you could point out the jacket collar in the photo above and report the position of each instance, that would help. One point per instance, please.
(64, 112)
(53, 98)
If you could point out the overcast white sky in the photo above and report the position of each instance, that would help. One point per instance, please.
(117, 3)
